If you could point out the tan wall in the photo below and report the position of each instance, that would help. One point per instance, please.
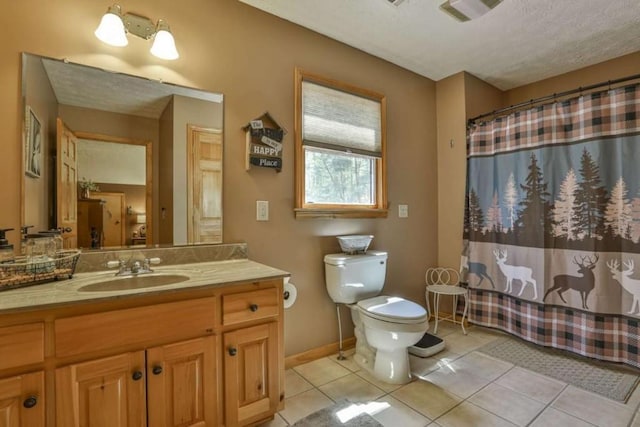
(187, 111)
(450, 100)
(250, 56)
(623, 66)
(480, 97)
(113, 124)
(38, 206)
(459, 98)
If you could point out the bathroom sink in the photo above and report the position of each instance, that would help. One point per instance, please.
(134, 282)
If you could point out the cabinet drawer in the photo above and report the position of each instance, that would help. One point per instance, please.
(252, 305)
(21, 345)
(138, 326)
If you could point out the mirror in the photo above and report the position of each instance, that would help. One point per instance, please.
(118, 160)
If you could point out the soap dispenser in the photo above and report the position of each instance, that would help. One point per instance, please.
(24, 232)
(6, 249)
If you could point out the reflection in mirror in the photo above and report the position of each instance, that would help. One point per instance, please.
(122, 160)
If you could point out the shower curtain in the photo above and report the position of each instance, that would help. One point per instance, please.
(552, 224)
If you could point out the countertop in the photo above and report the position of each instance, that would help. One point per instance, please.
(201, 275)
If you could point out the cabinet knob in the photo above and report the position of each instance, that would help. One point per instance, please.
(30, 402)
(137, 375)
(157, 370)
(253, 307)
(233, 351)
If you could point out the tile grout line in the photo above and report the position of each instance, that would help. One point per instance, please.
(389, 394)
(635, 412)
(471, 403)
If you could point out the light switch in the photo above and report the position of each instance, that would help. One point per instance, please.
(403, 211)
(262, 210)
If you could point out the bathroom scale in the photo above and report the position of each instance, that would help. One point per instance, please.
(427, 346)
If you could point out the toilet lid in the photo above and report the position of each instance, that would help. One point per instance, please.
(393, 309)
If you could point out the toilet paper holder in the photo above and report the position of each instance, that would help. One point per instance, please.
(290, 293)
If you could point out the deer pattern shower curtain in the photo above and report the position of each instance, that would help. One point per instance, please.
(552, 224)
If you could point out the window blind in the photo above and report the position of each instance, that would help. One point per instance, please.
(341, 121)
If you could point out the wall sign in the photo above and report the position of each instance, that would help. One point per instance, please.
(264, 143)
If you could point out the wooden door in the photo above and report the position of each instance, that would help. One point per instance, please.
(90, 216)
(251, 374)
(67, 184)
(181, 381)
(107, 392)
(204, 188)
(22, 401)
(113, 215)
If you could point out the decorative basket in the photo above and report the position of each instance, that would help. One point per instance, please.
(354, 244)
(22, 273)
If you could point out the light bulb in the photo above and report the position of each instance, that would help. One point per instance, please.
(111, 29)
(164, 46)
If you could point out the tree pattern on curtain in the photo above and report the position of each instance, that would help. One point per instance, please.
(552, 222)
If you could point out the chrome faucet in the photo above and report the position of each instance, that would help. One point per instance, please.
(135, 268)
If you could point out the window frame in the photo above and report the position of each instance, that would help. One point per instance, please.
(318, 210)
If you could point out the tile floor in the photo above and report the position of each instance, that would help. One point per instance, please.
(457, 387)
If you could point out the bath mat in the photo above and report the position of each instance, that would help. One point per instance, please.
(340, 414)
(613, 382)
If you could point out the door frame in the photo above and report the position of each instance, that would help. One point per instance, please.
(66, 142)
(148, 171)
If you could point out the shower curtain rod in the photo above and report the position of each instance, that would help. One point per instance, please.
(553, 96)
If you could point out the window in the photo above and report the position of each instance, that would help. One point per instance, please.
(340, 149)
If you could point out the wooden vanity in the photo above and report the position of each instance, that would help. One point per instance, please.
(193, 355)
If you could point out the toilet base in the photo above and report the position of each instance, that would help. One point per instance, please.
(363, 362)
(392, 366)
(385, 368)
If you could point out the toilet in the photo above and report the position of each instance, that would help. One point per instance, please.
(385, 326)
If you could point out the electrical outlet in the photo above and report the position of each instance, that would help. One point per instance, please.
(403, 211)
(262, 210)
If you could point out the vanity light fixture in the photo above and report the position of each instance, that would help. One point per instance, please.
(115, 25)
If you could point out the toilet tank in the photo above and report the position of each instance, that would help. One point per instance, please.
(351, 278)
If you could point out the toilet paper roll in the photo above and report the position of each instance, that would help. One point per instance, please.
(290, 294)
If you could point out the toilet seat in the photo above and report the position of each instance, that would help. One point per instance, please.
(393, 310)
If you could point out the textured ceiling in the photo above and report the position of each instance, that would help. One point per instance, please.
(518, 42)
(87, 87)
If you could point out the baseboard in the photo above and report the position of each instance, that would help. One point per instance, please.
(317, 353)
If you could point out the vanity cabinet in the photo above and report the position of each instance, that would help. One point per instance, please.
(22, 400)
(22, 394)
(251, 370)
(103, 392)
(181, 381)
(170, 383)
(211, 356)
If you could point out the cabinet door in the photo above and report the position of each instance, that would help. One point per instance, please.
(107, 392)
(181, 381)
(251, 374)
(22, 401)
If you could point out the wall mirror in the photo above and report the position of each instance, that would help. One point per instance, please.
(118, 160)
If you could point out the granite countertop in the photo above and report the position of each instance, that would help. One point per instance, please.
(200, 275)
